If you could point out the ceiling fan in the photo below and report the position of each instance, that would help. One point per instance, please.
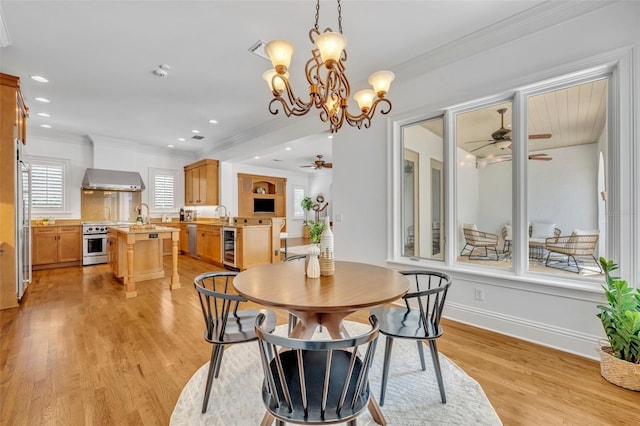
(319, 163)
(501, 138)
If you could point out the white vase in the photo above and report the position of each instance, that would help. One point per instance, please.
(313, 268)
(327, 264)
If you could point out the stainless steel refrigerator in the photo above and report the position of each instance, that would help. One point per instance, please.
(23, 223)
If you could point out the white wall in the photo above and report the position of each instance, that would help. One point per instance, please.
(468, 190)
(562, 191)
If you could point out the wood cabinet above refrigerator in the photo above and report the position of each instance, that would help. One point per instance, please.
(201, 183)
(13, 124)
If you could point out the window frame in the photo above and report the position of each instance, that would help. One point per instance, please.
(155, 172)
(298, 211)
(64, 165)
(622, 236)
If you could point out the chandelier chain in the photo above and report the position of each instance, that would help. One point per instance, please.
(317, 15)
(339, 17)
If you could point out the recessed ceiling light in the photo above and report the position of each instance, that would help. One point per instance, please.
(288, 148)
(170, 146)
(45, 100)
(43, 114)
(256, 157)
(330, 136)
(46, 126)
(195, 131)
(181, 139)
(212, 121)
(39, 78)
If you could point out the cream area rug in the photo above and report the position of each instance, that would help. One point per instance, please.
(412, 396)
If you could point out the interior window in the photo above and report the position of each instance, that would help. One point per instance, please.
(566, 178)
(423, 189)
(484, 176)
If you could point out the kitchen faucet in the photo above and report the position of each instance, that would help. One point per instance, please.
(147, 218)
(225, 217)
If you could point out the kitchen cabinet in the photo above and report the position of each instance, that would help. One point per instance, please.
(56, 246)
(135, 254)
(201, 181)
(262, 196)
(253, 246)
(13, 126)
(209, 248)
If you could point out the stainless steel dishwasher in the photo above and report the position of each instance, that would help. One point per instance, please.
(192, 232)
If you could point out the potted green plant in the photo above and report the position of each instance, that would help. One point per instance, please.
(306, 205)
(620, 361)
(315, 230)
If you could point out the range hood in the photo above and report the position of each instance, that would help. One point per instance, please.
(112, 180)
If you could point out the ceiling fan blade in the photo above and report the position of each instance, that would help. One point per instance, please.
(328, 165)
(540, 136)
(541, 157)
(481, 140)
(483, 146)
(312, 165)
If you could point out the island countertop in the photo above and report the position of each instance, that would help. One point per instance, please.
(143, 229)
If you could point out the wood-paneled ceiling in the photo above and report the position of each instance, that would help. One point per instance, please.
(574, 115)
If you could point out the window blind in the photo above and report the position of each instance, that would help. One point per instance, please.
(47, 185)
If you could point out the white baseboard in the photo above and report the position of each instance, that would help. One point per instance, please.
(531, 331)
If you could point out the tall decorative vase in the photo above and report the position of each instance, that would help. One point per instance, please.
(313, 268)
(327, 265)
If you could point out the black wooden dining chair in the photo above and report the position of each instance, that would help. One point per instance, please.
(316, 381)
(225, 324)
(418, 320)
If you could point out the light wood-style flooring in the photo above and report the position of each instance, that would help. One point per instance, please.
(77, 352)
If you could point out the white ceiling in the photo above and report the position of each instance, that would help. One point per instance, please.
(99, 57)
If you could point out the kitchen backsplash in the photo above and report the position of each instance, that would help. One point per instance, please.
(109, 205)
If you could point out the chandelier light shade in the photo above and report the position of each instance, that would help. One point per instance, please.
(329, 88)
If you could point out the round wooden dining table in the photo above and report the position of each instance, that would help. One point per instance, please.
(322, 301)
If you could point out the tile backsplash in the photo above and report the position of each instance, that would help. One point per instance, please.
(109, 205)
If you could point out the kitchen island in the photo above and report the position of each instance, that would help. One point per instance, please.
(135, 254)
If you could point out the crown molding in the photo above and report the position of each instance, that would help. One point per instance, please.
(527, 22)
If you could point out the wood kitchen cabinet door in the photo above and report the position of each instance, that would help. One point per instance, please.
(45, 245)
(216, 245)
(201, 181)
(69, 243)
(205, 243)
(184, 238)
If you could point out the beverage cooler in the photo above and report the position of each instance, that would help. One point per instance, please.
(229, 247)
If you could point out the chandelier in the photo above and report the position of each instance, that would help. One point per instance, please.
(329, 89)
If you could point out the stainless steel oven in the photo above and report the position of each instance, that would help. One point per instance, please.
(94, 243)
(229, 247)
